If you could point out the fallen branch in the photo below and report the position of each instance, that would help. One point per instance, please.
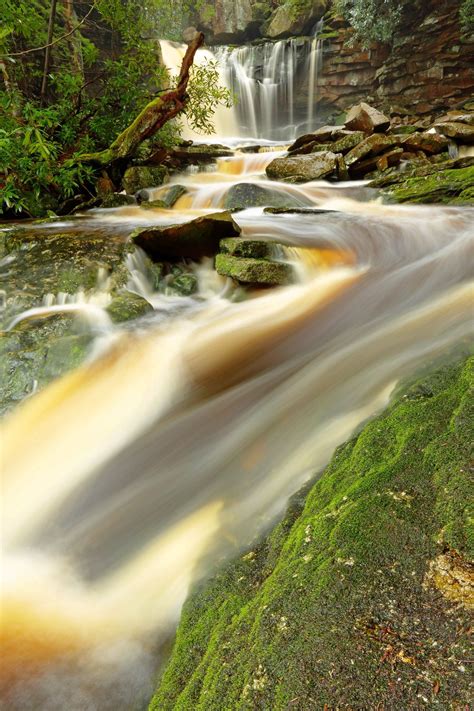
(155, 114)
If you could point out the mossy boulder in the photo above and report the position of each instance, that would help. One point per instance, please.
(183, 285)
(341, 605)
(442, 186)
(343, 145)
(303, 168)
(245, 195)
(370, 146)
(128, 306)
(260, 272)
(190, 240)
(117, 200)
(138, 177)
(460, 132)
(253, 249)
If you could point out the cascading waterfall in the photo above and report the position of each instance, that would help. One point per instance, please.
(265, 79)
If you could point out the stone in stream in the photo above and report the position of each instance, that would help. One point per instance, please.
(190, 240)
(260, 272)
(138, 177)
(117, 200)
(462, 132)
(300, 211)
(245, 195)
(365, 118)
(127, 306)
(303, 168)
(376, 163)
(325, 134)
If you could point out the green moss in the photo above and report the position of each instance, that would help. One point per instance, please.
(443, 186)
(246, 248)
(334, 606)
(253, 271)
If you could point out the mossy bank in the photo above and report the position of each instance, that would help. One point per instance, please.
(359, 598)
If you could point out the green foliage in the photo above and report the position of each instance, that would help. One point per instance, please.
(372, 20)
(89, 101)
(467, 15)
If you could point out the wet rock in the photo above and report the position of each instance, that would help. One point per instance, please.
(342, 171)
(245, 195)
(117, 200)
(183, 285)
(138, 177)
(198, 154)
(128, 306)
(254, 271)
(365, 118)
(154, 204)
(461, 132)
(431, 143)
(343, 145)
(191, 240)
(172, 194)
(303, 168)
(373, 145)
(254, 249)
(299, 211)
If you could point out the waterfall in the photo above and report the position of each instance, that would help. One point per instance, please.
(265, 79)
(315, 60)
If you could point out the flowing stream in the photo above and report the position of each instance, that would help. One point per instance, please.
(181, 440)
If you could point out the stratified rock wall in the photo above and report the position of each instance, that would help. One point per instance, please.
(429, 66)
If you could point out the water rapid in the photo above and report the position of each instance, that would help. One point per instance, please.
(179, 442)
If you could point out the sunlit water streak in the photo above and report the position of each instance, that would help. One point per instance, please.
(181, 441)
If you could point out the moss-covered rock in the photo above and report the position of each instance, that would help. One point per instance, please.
(253, 249)
(337, 608)
(127, 306)
(442, 186)
(192, 240)
(254, 271)
(343, 145)
(117, 200)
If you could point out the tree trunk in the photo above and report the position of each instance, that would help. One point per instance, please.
(152, 118)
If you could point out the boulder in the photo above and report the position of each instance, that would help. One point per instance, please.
(365, 118)
(253, 249)
(191, 240)
(138, 177)
(428, 142)
(342, 172)
(245, 195)
(376, 163)
(303, 168)
(373, 145)
(172, 194)
(443, 187)
(461, 132)
(254, 271)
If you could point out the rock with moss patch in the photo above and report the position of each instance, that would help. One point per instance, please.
(461, 132)
(190, 240)
(260, 272)
(343, 145)
(370, 146)
(442, 186)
